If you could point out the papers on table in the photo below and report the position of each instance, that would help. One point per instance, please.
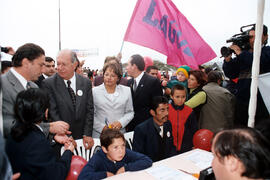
(165, 173)
(200, 158)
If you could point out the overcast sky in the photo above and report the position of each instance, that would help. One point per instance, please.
(101, 24)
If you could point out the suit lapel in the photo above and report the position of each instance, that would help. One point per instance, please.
(167, 134)
(18, 87)
(140, 85)
(63, 91)
(79, 91)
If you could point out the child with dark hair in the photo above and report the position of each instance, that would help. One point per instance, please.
(183, 120)
(113, 158)
(27, 147)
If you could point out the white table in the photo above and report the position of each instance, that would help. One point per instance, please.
(192, 162)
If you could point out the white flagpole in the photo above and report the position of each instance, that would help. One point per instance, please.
(122, 46)
(256, 63)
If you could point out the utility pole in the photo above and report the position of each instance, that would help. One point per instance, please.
(59, 25)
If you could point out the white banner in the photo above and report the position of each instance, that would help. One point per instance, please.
(264, 86)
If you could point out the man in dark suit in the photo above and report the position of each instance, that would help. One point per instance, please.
(154, 137)
(144, 87)
(71, 98)
(27, 64)
(48, 70)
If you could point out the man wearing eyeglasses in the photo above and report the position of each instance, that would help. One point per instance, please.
(48, 70)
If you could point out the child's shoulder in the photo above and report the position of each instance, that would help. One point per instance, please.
(186, 107)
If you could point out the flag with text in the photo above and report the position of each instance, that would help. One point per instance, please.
(159, 25)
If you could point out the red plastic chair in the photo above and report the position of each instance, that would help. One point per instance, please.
(76, 166)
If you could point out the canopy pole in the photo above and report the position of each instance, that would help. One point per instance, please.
(256, 64)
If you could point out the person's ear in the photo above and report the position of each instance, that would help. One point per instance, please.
(25, 62)
(232, 164)
(152, 112)
(75, 64)
(104, 149)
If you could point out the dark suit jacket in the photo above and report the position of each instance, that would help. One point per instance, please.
(34, 158)
(147, 140)
(147, 88)
(40, 79)
(61, 108)
(5, 166)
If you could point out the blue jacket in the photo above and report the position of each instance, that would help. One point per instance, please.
(147, 140)
(98, 166)
(35, 159)
(240, 67)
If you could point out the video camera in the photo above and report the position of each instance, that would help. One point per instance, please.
(4, 49)
(241, 40)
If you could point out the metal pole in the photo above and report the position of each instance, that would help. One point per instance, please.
(59, 25)
(256, 64)
(122, 46)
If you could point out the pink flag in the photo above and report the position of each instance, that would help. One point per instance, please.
(159, 25)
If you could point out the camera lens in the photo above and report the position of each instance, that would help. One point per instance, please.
(4, 49)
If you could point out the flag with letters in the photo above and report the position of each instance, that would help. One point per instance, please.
(159, 25)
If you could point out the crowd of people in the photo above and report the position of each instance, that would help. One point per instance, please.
(45, 108)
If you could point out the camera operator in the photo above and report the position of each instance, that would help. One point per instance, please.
(240, 67)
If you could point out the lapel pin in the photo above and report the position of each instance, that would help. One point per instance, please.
(79, 92)
(168, 134)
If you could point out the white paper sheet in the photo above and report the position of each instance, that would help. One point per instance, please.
(200, 158)
(165, 173)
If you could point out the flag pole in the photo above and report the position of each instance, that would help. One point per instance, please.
(121, 47)
(256, 64)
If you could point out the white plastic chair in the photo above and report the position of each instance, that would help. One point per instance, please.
(129, 138)
(81, 151)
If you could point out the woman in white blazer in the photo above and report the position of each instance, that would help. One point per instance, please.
(113, 107)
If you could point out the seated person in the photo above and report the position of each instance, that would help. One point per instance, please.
(27, 147)
(183, 120)
(113, 158)
(153, 137)
(241, 154)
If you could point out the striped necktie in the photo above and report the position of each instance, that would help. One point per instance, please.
(72, 94)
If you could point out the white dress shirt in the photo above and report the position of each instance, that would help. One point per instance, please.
(138, 78)
(73, 83)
